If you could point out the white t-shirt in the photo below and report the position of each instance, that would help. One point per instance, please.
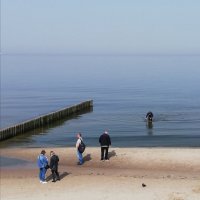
(78, 142)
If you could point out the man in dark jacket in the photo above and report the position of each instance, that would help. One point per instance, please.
(54, 166)
(105, 142)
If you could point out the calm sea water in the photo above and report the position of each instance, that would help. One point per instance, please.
(123, 88)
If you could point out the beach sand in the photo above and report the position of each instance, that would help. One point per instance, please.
(168, 173)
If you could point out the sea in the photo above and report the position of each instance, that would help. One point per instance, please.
(123, 88)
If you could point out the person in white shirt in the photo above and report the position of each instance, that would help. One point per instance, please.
(79, 154)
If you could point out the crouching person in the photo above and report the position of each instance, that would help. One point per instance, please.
(54, 166)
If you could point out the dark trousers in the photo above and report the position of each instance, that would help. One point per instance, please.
(55, 174)
(104, 153)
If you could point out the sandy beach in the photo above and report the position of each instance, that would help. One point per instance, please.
(167, 173)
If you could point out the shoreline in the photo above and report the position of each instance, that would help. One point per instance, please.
(169, 174)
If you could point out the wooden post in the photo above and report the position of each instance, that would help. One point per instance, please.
(43, 120)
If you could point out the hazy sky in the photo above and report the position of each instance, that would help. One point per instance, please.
(100, 26)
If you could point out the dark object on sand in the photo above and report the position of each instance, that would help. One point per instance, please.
(143, 185)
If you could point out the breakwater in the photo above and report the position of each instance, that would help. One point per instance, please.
(43, 120)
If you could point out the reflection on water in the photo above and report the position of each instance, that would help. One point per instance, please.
(149, 126)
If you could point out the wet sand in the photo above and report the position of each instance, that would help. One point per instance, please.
(171, 174)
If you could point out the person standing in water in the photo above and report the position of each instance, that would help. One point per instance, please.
(149, 116)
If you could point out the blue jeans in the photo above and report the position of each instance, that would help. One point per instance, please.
(42, 174)
(80, 157)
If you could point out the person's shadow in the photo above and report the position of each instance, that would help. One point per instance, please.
(62, 176)
(111, 154)
(87, 158)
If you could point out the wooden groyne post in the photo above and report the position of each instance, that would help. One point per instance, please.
(43, 120)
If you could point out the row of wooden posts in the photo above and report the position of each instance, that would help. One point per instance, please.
(43, 120)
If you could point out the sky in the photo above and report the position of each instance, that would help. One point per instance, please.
(106, 27)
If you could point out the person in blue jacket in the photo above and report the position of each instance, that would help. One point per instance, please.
(42, 162)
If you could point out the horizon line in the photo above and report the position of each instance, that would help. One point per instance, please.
(98, 54)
